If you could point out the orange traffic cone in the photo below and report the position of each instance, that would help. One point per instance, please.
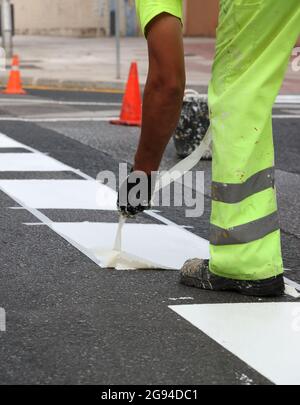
(14, 85)
(131, 112)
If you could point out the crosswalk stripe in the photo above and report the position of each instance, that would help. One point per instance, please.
(34, 162)
(166, 245)
(62, 194)
(264, 335)
(90, 194)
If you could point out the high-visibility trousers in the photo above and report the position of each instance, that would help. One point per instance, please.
(254, 43)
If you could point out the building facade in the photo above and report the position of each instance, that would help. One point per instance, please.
(90, 18)
(79, 18)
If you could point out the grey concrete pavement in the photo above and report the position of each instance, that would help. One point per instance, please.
(89, 63)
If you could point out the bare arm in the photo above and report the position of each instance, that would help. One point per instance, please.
(163, 91)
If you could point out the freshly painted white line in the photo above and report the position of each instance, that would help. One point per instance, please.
(24, 162)
(166, 246)
(182, 298)
(6, 142)
(264, 335)
(61, 194)
(45, 220)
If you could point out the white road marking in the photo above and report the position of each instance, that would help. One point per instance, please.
(288, 99)
(289, 107)
(6, 142)
(24, 162)
(284, 116)
(102, 119)
(167, 246)
(264, 335)
(283, 98)
(292, 283)
(292, 112)
(291, 291)
(47, 221)
(61, 194)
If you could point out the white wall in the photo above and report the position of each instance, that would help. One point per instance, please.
(62, 17)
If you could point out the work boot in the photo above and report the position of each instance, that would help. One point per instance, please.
(196, 273)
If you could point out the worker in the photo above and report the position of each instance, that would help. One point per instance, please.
(253, 46)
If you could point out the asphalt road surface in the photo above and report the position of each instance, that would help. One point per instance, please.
(71, 321)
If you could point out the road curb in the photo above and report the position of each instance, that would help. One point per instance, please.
(81, 85)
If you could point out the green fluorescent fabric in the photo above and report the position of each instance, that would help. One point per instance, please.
(148, 9)
(254, 43)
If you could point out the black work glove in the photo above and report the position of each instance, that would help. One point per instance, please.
(135, 193)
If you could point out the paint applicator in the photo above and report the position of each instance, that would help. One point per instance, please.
(118, 259)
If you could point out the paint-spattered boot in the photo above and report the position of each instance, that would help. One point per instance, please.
(196, 273)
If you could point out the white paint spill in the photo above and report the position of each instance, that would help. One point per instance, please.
(61, 194)
(264, 335)
(170, 245)
(34, 162)
(291, 287)
(244, 379)
(185, 165)
(119, 260)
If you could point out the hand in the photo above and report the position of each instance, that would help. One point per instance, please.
(135, 193)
